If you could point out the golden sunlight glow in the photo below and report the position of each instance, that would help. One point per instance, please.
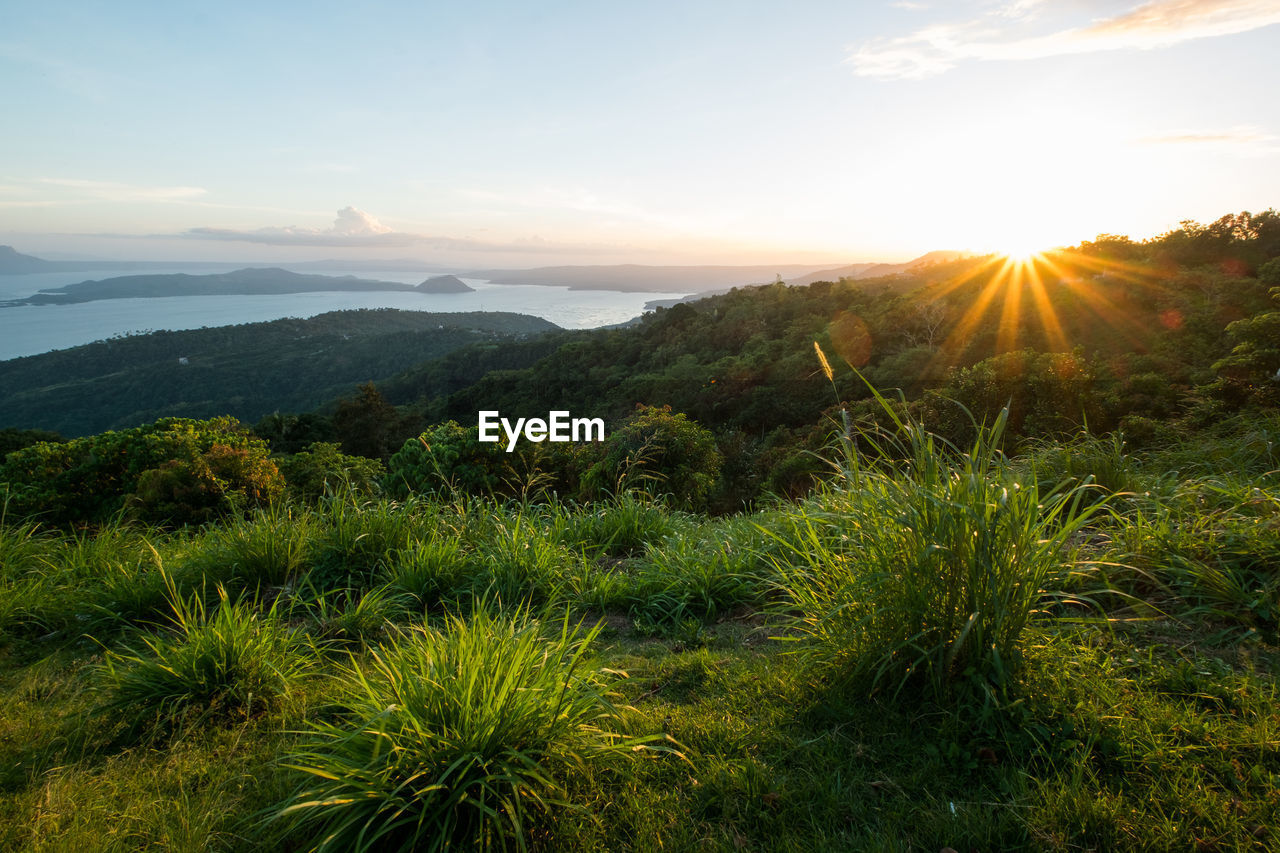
(1010, 303)
(1021, 252)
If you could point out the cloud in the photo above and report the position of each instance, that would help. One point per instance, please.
(1155, 24)
(1243, 139)
(354, 222)
(112, 191)
(354, 228)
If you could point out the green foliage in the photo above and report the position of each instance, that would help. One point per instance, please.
(181, 470)
(1214, 542)
(1046, 394)
(448, 459)
(345, 618)
(24, 553)
(358, 539)
(270, 547)
(661, 453)
(523, 563)
(323, 469)
(231, 664)
(16, 439)
(195, 490)
(1251, 372)
(248, 371)
(367, 425)
(926, 576)
(620, 526)
(1101, 462)
(462, 737)
(432, 571)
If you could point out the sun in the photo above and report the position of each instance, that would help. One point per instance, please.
(1021, 251)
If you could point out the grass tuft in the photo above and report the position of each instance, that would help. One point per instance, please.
(233, 662)
(457, 738)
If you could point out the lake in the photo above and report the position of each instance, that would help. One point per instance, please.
(32, 329)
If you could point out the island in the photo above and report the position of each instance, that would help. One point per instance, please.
(244, 282)
(445, 284)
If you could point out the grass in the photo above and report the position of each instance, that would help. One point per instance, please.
(233, 662)
(925, 572)
(459, 737)
(894, 664)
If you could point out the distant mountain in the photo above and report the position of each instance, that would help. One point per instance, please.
(856, 271)
(445, 284)
(248, 371)
(637, 278)
(15, 263)
(373, 265)
(245, 282)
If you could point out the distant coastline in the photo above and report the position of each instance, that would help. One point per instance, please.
(245, 282)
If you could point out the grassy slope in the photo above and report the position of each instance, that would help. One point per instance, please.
(1157, 729)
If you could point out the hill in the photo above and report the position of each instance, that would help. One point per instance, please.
(860, 271)
(247, 371)
(13, 262)
(243, 282)
(445, 284)
(638, 278)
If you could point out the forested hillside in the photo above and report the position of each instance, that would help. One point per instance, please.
(246, 371)
(1149, 338)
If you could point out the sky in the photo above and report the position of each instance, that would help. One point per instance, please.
(498, 134)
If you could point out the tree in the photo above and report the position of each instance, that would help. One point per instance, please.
(367, 425)
(662, 453)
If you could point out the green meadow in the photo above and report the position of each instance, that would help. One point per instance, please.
(1067, 648)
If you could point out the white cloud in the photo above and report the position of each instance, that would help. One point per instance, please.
(355, 228)
(1244, 139)
(352, 227)
(1155, 24)
(353, 221)
(113, 191)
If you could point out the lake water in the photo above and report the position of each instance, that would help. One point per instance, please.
(32, 329)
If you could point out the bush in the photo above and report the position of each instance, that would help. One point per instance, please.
(218, 464)
(323, 469)
(661, 453)
(199, 489)
(449, 458)
(457, 738)
(927, 575)
(232, 663)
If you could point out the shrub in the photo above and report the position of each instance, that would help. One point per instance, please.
(449, 458)
(233, 662)
(323, 469)
(661, 453)
(457, 738)
(1043, 394)
(197, 489)
(928, 574)
(89, 479)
